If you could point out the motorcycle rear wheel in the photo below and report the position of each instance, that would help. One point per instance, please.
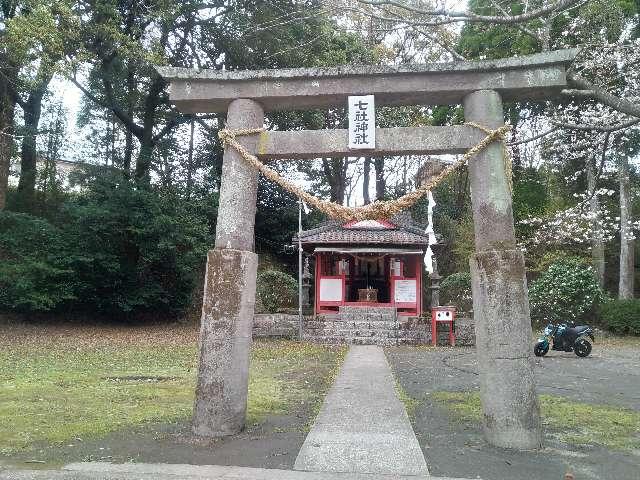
(582, 348)
(540, 350)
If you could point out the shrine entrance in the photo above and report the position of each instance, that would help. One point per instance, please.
(500, 300)
(371, 263)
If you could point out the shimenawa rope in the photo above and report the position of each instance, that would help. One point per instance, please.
(380, 209)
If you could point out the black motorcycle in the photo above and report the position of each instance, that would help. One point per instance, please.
(566, 339)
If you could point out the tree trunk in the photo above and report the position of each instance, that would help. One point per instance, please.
(147, 143)
(597, 242)
(365, 180)
(380, 181)
(192, 127)
(7, 109)
(334, 170)
(32, 110)
(128, 135)
(627, 260)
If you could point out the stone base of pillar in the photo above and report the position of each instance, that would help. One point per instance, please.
(225, 342)
(504, 349)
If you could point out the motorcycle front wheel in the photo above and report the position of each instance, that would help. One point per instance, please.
(582, 348)
(540, 349)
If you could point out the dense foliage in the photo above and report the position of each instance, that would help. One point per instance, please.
(276, 290)
(34, 272)
(566, 292)
(114, 249)
(456, 290)
(621, 316)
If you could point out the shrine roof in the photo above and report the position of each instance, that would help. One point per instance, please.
(400, 230)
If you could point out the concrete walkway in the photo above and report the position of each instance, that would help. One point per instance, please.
(363, 427)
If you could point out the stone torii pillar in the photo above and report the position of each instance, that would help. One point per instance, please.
(500, 300)
(229, 292)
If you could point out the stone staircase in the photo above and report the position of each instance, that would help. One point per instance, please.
(357, 326)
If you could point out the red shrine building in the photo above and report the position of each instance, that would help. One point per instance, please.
(369, 263)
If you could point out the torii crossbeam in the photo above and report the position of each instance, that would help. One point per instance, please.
(500, 300)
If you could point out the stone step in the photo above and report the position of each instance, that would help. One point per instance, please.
(331, 340)
(362, 325)
(358, 333)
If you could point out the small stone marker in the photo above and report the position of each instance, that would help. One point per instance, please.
(362, 122)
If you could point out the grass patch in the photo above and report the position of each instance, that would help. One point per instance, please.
(54, 388)
(410, 403)
(571, 422)
(271, 389)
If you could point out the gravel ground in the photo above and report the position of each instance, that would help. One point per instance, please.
(610, 376)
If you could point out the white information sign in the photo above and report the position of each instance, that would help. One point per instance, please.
(330, 289)
(362, 122)
(405, 291)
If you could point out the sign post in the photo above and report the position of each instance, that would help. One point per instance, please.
(362, 122)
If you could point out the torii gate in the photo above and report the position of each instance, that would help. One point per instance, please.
(500, 300)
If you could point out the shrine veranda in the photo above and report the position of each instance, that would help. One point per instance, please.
(501, 307)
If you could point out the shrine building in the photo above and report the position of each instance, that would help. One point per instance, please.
(369, 263)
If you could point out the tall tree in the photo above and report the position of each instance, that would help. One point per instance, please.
(627, 241)
(8, 95)
(35, 38)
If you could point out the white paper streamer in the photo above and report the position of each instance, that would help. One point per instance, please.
(428, 256)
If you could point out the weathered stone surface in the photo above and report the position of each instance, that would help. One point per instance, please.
(225, 341)
(239, 183)
(500, 299)
(490, 194)
(362, 426)
(534, 77)
(363, 330)
(503, 336)
(389, 141)
(276, 325)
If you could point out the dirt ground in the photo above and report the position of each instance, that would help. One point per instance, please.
(285, 394)
(274, 443)
(610, 376)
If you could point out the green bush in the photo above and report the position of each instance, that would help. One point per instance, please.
(566, 292)
(621, 316)
(114, 249)
(456, 290)
(34, 272)
(276, 290)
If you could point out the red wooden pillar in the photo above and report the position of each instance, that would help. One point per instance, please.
(316, 284)
(418, 262)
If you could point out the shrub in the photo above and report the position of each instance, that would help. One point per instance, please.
(115, 249)
(136, 250)
(456, 290)
(621, 316)
(34, 275)
(566, 292)
(276, 290)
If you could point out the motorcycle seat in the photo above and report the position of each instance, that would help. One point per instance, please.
(579, 328)
(571, 334)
